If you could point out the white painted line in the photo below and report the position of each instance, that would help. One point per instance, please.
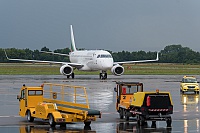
(4, 116)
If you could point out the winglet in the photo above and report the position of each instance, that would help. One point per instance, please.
(6, 54)
(73, 46)
(157, 57)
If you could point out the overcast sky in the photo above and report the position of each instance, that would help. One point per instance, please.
(115, 25)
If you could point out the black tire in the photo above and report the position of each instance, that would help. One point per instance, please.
(127, 115)
(52, 123)
(153, 125)
(121, 113)
(100, 75)
(29, 117)
(142, 121)
(138, 119)
(87, 123)
(169, 122)
(105, 76)
(68, 76)
(63, 126)
(73, 76)
(87, 128)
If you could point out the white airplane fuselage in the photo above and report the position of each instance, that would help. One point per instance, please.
(92, 60)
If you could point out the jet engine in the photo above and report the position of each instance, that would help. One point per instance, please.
(117, 70)
(66, 70)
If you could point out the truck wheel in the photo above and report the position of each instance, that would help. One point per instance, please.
(169, 122)
(142, 121)
(153, 125)
(126, 115)
(87, 123)
(29, 117)
(121, 113)
(52, 123)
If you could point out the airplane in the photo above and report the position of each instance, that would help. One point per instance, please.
(87, 60)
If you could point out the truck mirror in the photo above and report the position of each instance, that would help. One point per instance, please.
(18, 96)
(115, 89)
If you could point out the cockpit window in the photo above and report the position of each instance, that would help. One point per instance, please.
(104, 56)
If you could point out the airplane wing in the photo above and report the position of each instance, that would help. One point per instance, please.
(54, 53)
(139, 61)
(77, 65)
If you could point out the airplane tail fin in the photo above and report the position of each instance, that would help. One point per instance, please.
(73, 46)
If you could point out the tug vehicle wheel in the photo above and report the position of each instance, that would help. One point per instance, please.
(169, 122)
(126, 115)
(52, 123)
(87, 123)
(29, 117)
(121, 112)
(140, 120)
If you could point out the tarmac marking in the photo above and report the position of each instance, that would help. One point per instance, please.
(9, 116)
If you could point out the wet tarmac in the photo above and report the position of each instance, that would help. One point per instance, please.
(101, 97)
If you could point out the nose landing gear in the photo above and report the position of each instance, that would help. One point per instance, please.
(103, 75)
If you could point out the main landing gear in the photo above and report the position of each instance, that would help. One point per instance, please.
(103, 75)
(72, 75)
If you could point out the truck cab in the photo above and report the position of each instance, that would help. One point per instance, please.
(125, 91)
(28, 99)
(189, 84)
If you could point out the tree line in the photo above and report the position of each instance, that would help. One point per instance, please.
(174, 53)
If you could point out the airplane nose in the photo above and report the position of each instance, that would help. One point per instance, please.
(107, 65)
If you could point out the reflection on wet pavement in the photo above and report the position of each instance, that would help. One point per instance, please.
(101, 97)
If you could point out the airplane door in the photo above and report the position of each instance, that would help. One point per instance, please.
(94, 61)
(23, 102)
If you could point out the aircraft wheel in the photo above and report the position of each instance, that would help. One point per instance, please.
(68, 76)
(105, 76)
(29, 117)
(100, 75)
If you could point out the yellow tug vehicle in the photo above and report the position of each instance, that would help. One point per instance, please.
(57, 103)
(132, 101)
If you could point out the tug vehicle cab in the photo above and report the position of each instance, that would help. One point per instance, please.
(132, 101)
(125, 91)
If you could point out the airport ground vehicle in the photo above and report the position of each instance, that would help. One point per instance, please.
(189, 84)
(57, 103)
(132, 101)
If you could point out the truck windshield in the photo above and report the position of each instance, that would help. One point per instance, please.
(130, 89)
(34, 92)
